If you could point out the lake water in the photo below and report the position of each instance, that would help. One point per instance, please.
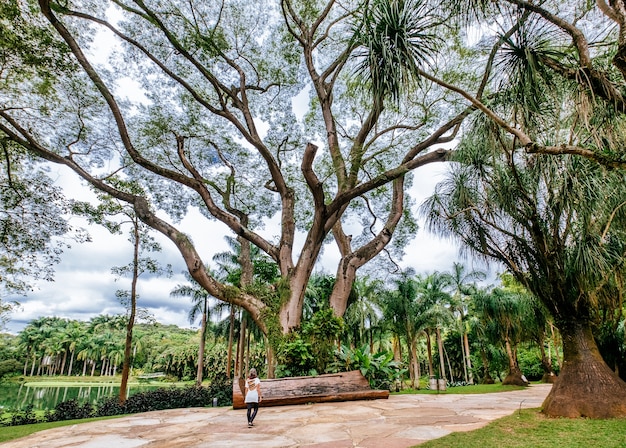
(14, 396)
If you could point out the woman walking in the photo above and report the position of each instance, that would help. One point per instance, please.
(253, 395)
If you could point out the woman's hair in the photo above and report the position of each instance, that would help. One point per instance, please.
(252, 373)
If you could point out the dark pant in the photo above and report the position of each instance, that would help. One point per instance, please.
(252, 409)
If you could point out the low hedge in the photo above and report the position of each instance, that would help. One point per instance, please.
(154, 400)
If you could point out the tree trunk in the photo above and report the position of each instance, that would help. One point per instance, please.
(69, 369)
(449, 365)
(546, 363)
(231, 335)
(413, 369)
(128, 343)
(468, 358)
(63, 362)
(429, 349)
(203, 326)
(271, 373)
(555, 344)
(515, 374)
(487, 379)
(241, 348)
(586, 386)
(397, 349)
(442, 365)
(464, 358)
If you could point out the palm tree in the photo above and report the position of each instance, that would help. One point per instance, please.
(243, 266)
(463, 285)
(509, 316)
(561, 235)
(201, 306)
(364, 311)
(404, 316)
(76, 333)
(557, 223)
(436, 314)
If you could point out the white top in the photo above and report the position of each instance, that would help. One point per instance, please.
(252, 390)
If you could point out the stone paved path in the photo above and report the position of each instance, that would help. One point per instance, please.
(401, 421)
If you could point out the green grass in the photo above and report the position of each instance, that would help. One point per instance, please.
(529, 428)
(474, 389)
(8, 433)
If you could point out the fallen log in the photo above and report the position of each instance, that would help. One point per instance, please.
(344, 386)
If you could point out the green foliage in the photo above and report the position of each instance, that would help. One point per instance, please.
(164, 398)
(310, 350)
(530, 363)
(70, 410)
(398, 38)
(9, 367)
(380, 369)
(221, 387)
(22, 417)
(295, 357)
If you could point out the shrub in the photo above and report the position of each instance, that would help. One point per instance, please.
(222, 389)
(24, 417)
(10, 367)
(164, 398)
(155, 400)
(380, 369)
(70, 410)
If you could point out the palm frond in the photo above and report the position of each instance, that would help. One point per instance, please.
(396, 39)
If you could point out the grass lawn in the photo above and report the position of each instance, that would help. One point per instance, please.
(529, 428)
(474, 389)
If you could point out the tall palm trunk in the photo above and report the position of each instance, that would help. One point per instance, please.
(468, 358)
(69, 369)
(487, 379)
(203, 326)
(413, 364)
(442, 365)
(429, 349)
(63, 362)
(231, 336)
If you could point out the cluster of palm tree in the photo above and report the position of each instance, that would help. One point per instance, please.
(56, 346)
(440, 325)
(404, 317)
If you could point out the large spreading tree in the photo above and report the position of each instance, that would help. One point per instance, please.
(217, 128)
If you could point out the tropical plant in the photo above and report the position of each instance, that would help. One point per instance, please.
(379, 368)
(200, 306)
(556, 223)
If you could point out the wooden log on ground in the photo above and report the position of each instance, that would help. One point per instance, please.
(344, 386)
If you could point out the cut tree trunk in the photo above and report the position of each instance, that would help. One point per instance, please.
(586, 386)
(343, 386)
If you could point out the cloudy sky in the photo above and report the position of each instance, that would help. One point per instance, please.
(84, 286)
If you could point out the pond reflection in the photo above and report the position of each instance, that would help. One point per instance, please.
(15, 397)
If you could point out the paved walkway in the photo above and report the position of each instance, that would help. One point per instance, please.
(401, 421)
